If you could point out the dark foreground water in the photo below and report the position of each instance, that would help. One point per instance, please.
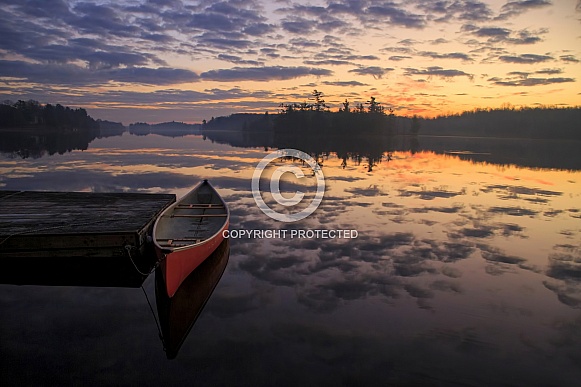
(462, 274)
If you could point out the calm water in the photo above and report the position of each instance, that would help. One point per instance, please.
(462, 274)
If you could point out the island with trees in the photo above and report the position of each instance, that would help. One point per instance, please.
(314, 117)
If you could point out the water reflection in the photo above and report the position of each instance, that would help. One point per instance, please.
(34, 143)
(178, 315)
(372, 149)
(353, 147)
(459, 266)
(72, 271)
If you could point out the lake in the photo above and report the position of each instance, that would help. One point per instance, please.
(465, 271)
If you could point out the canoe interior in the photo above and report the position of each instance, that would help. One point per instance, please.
(196, 217)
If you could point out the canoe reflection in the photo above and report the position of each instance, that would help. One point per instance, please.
(178, 314)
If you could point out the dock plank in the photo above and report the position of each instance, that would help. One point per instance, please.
(32, 221)
(77, 212)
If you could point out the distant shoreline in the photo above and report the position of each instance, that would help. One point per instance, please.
(36, 129)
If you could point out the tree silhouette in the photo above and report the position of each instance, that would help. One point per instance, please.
(374, 106)
(319, 104)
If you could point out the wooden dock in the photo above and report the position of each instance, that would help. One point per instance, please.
(72, 234)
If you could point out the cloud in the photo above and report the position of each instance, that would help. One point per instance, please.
(337, 54)
(327, 62)
(447, 210)
(367, 14)
(101, 19)
(492, 32)
(525, 58)
(153, 76)
(527, 81)
(569, 59)
(306, 18)
(238, 60)
(375, 71)
(397, 58)
(298, 26)
(168, 101)
(67, 74)
(96, 55)
(263, 73)
(96, 43)
(426, 54)
(505, 35)
(513, 211)
(437, 71)
(304, 43)
(447, 10)
(449, 55)
(515, 8)
(396, 16)
(408, 42)
(213, 41)
(508, 190)
(493, 256)
(526, 37)
(429, 195)
(549, 71)
(568, 294)
(439, 41)
(345, 83)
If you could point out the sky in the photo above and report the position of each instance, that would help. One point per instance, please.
(177, 60)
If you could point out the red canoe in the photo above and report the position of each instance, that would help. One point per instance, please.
(188, 231)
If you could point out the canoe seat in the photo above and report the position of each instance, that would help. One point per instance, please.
(204, 206)
(178, 241)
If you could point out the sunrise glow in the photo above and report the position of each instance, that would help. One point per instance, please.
(158, 61)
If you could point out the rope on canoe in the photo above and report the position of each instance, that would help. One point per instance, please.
(155, 318)
(129, 248)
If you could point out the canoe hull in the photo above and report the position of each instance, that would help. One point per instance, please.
(188, 231)
(178, 264)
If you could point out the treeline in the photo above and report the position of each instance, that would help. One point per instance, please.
(240, 121)
(341, 122)
(170, 129)
(316, 117)
(33, 114)
(509, 122)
